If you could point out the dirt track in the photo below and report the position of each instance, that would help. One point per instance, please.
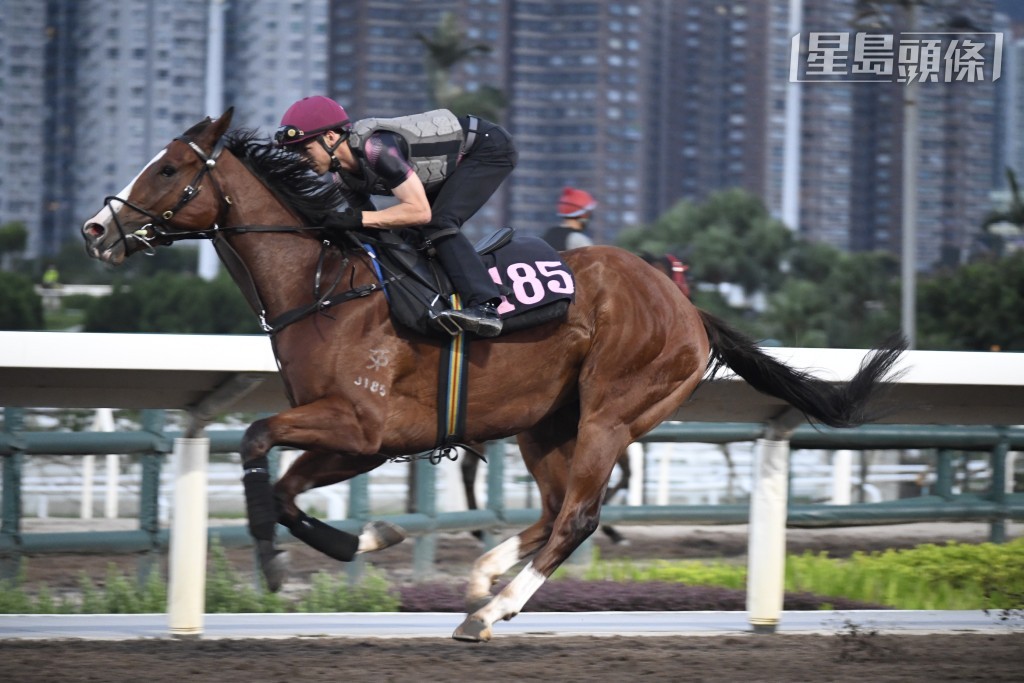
(776, 658)
(854, 654)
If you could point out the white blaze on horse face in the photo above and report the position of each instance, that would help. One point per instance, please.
(105, 217)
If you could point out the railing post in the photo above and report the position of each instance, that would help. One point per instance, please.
(766, 554)
(997, 494)
(358, 510)
(10, 518)
(425, 497)
(495, 488)
(944, 473)
(186, 593)
(149, 494)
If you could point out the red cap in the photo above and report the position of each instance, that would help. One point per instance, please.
(574, 203)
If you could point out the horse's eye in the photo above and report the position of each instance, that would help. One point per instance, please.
(168, 171)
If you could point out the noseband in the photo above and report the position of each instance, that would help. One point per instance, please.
(159, 225)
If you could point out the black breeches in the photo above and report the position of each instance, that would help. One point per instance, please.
(479, 174)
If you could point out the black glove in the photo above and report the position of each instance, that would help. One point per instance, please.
(349, 219)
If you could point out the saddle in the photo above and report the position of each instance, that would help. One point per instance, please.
(536, 284)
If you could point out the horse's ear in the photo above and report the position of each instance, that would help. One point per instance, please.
(218, 127)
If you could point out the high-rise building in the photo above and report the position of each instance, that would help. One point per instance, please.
(711, 103)
(22, 82)
(140, 82)
(641, 102)
(60, 110)
(275, 53)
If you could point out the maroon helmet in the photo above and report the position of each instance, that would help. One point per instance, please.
(309, 117)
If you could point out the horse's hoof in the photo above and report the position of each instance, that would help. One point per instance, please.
(382, 535)
(476, 604)
(472, 631)
(274, 564)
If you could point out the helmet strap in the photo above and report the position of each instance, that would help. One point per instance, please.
(335, 166)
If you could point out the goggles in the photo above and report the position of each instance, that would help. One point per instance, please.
(289, 134)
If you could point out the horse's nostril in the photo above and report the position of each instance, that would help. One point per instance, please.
(94, 230)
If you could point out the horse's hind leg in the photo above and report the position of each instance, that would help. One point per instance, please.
(611, 418)
(608, 530)
(544, 451)
(510, 552)
(468, 467)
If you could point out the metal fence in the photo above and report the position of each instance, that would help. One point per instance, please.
(959, 450)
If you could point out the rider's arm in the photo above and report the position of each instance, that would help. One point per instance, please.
(412, 209)
(386, 157)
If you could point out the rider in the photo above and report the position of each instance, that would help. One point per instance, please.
(440, 168)
(672, 267)
(575, 208)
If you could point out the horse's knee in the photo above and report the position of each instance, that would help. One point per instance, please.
(256, 441)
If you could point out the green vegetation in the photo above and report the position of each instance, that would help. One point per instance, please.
(225, 592)
(954, 576)
(815, 295)
(950, 576)
(20, 307)
(173, 303)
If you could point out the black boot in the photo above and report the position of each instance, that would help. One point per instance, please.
(482, 319)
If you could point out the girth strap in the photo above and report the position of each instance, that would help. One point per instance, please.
(452, 385)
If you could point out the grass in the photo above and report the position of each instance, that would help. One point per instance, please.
(953, 576)
(226, 592)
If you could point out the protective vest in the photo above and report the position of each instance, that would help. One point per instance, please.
(432, 140)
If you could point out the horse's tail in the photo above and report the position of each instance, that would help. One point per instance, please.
(836, 405)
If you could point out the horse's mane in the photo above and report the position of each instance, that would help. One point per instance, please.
(285, 173)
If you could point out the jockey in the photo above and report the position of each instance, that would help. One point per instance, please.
(440, 168)
(672, 267)
(575, 208)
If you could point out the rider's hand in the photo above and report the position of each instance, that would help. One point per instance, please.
(349, 219)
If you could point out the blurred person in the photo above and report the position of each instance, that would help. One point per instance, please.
(575, 208)
(440, 168)
(672, 267)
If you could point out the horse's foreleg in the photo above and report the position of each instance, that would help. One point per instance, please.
(266, 504)
(260, 506)
(314, 469)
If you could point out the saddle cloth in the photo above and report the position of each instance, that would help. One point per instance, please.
(536, 284)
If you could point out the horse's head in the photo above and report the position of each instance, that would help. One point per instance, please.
(166, 201)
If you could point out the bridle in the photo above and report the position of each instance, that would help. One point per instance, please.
(159, 228)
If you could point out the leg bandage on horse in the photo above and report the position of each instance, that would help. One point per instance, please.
(259, 499)
(325, 538)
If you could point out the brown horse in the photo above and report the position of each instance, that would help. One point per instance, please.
(576, 392)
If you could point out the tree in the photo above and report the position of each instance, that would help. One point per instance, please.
(834, 299)
(975, 307)
(446, 49)
(20, 307)
(730, 237)
(171, 303)
(13, 239)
